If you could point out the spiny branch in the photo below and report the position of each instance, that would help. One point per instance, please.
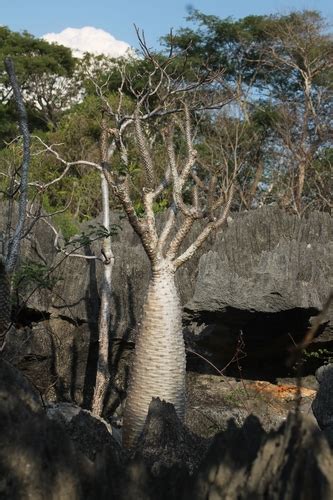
(211, 226)
(144, 151)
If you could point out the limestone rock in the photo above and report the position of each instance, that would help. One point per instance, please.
(36, 459)
(322, 406)
(294, 462)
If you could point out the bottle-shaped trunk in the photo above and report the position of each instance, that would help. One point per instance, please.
(159, 361)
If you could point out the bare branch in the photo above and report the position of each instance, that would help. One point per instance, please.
(178, 180)
(148, 198)
(63, 161)
(167, 229)
(62, 250)
(182, 232)
(211, 226)
(144, 151)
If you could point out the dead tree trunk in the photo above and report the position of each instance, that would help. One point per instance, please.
(103, 371)
(11, 247)
(14, 243)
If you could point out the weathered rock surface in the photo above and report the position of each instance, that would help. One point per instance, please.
(63, 457)
(36, 460)
(91, 434)
(14, 384)
(245, 462)
(269, 262)
(212, 400)
(294, 462)
(263, 279)
(38, 247)
(31, 349)
(166, 442)
(322, 406)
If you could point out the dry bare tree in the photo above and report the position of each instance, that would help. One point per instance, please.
(103, 372)
(12, 239)
(155, 125)
(302, 55)
(164, 116)
(103, 234)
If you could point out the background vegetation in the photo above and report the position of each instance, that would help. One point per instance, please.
(277, 125)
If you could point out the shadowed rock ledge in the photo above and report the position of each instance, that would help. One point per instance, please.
(44, 459)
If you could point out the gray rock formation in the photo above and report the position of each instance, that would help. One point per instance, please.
(267, 261)
(166, 442)
(322, 406)
(73, 456)
(91, 434)
(36, 459)
(252, 288)
(294, 462)
(264, 277)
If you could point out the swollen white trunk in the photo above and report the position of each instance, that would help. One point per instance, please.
(159, 360)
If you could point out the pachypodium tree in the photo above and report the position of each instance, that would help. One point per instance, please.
(164, 118)
(154, 154)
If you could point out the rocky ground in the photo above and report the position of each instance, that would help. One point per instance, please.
(60, 451)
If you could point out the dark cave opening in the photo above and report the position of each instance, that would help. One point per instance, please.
(255, 344)
(25, 316)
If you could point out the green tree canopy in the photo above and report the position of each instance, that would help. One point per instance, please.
(42, 70)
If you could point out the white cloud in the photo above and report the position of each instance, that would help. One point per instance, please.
(89, 39)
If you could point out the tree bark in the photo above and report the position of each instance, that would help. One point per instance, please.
(103, 372)
(299, 186)
(159, 361)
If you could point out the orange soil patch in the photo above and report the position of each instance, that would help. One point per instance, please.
(282, 392)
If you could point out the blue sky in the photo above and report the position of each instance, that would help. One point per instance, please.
(156, 17)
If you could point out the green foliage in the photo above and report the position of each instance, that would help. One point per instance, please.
(284, 66)
(93, 233)
(159, 206)
(107, 74)
(38, 66)
(223, 43)
(264, 116)
(66, 224)
(8, 125)
(325, 356)
(80, 126)
(273, 99)
(33, 56)
(239, 46)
